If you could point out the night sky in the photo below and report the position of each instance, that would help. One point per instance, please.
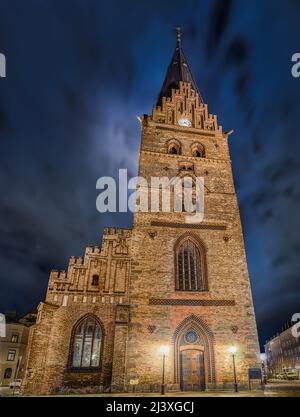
(78, 74)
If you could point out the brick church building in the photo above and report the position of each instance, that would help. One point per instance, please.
(163, 282)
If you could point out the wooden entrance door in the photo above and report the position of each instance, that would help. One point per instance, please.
(192, 376)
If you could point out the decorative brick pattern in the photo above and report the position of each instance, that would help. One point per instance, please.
(184, 302)
(189, 226)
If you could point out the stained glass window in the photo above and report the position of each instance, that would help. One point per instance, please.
(190, 267)
(87, 344)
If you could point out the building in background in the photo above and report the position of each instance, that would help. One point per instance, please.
(283, 353)
(13, 347)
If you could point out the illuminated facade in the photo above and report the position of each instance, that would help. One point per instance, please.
(164, 282)
(283, 353)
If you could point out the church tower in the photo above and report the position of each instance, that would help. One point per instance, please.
(189, 287)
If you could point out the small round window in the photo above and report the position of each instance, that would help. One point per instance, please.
(191, 336)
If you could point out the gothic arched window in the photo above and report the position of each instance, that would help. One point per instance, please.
(174, 147)
(95, 280)
(86, 343)
(198, 150)
(190, 265)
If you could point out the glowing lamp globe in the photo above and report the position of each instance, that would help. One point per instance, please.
(232, 350)
(164, 350)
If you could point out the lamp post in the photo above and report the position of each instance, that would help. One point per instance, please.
(233, 351)
(263, 358)
(16, 374)
(164, 350)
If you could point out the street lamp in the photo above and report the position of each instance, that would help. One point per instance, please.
(233, 351)
(164, 350)
(263, 358)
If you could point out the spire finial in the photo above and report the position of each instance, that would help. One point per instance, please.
(178, 71)
(178, 33)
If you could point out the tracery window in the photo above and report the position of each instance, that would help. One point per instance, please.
(86, 343)
(190, 266)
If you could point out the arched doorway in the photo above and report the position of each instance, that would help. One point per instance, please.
(194, 356)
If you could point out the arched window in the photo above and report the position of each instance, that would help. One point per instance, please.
(190, 266)
(86, 343)
(7, 373)
(95, 280)
(198, 150)
(174, 147)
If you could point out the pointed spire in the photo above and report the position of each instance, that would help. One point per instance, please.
(178, 70)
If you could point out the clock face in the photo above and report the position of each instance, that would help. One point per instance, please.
(184, 122)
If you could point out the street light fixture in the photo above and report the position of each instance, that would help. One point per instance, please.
(263, 358)
(233, 351)
(164, 350)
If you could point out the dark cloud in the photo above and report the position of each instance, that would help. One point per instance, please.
(236, 53)
(218, 23)
(286, 168)
(267, 215)
(288, 191)
(256, 146)
(193, 32)
(280, 260)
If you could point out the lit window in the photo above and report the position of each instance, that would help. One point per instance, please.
(191, 267)
(15, 338)
(11, 354)
(86, 346)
